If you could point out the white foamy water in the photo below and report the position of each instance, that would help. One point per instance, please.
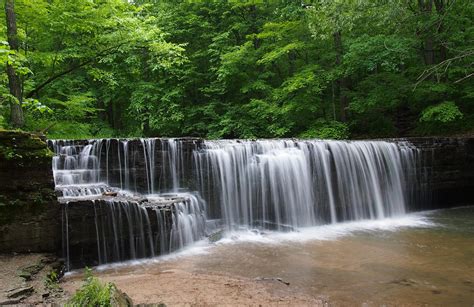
(328, 232)
(303, 235)
(201, 247)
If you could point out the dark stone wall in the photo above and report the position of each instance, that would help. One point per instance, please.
(93, 236)
(29, 211)
(448, 168)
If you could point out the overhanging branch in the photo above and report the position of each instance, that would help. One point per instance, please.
(444, 64)
(93, 59)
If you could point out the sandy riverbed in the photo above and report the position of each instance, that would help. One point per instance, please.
(419, 261)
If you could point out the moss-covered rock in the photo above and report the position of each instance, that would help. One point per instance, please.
(29, 212)
(23, 147)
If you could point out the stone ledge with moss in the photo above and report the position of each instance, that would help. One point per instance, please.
(29, 212)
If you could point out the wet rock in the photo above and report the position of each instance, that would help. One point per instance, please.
(10, 301)
(216, 236)
(119, 298)
(110, 193)
(448, 164)
(82, 215)
(27, 273)
(20, 292)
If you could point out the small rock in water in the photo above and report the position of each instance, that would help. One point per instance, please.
(110, 193)
(216, 236)
(255, 231)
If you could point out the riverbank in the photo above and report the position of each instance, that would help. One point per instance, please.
(428, 262)
(178, 286)
(30, 279)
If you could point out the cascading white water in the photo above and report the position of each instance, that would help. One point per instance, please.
(85, 163)
(131, 225)
(76, 169)
(123, 232)
(304, 183)
(188, 224)
(271, 184)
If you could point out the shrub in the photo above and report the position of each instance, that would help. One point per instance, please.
(93, 292)
(444, 112)
(327, 130)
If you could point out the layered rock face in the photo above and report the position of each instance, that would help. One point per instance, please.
(29, 211)
(31, 218)
(448, 165)
(110, 230)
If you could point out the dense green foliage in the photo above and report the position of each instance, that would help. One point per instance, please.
(325, 69)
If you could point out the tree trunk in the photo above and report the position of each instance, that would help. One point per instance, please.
(342, 82)
(440, 9)
(16, 113)
(291, 63)
(426, 7)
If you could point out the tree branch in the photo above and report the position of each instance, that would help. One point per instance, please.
(95, 58)
(464, 78)
(429, 71)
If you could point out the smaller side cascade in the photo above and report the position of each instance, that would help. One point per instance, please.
(114, 205)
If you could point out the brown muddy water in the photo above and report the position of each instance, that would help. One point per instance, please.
(420, 259)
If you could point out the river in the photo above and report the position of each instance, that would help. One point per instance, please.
(416, 259)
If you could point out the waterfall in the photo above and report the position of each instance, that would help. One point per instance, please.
(123, 231)
(188, 224)
(76, 168)
(147, 197)
(305, 183)
(149, 154)
(126, 225)
(175, 162)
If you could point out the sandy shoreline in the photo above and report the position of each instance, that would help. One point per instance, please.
(176, 287)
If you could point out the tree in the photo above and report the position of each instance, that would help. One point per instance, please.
(14, 82)
(329, 69)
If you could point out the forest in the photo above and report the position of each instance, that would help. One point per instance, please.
(237, 69)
